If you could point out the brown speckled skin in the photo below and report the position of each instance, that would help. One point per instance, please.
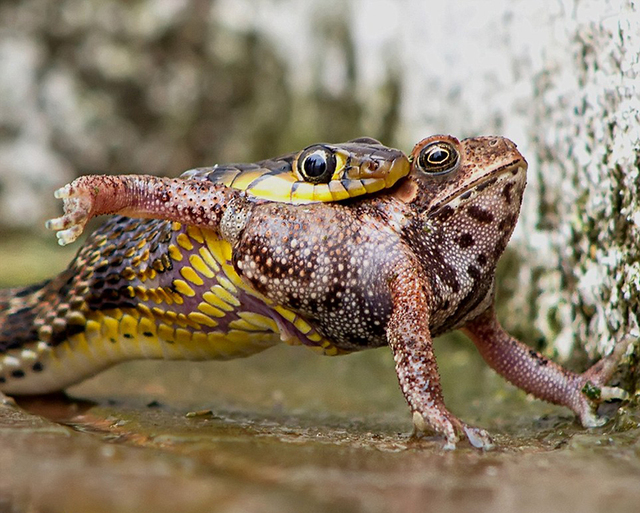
(396, 268)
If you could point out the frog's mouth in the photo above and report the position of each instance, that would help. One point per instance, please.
(513, 172)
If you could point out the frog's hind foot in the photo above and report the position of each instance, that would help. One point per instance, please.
(594, 390)
(453, 430)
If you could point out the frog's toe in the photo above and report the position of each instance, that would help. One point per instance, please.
(590, 420)
(450, 444)
(70, 235)
(478, 438)
(440, 423)
(587, 414)
(613, 393)
(67, 227)
(453, 430)
(63, 192)
(59, 223)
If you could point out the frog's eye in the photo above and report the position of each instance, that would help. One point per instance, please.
(317, 164)
(438, 158)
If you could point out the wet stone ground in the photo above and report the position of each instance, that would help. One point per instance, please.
(289, 431)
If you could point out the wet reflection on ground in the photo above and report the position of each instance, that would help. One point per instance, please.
(329, 434)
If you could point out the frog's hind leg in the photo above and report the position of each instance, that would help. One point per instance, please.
(536, 374)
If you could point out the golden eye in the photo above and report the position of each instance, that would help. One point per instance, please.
(317, 164)
(438, 158)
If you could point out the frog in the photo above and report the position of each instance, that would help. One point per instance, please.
(397, 268)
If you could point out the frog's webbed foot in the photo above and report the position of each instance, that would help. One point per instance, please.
(410, 340)
(192, 202)
(539, 376)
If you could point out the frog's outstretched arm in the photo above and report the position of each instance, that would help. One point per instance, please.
(534, 373)
(193, 202)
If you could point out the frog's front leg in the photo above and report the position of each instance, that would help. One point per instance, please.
(193, 202)
(410, 340)
(539, 376)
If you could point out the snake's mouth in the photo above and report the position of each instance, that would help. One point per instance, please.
(388, 171)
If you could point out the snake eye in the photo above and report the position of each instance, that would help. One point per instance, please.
(438, 158)
(317, 164)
